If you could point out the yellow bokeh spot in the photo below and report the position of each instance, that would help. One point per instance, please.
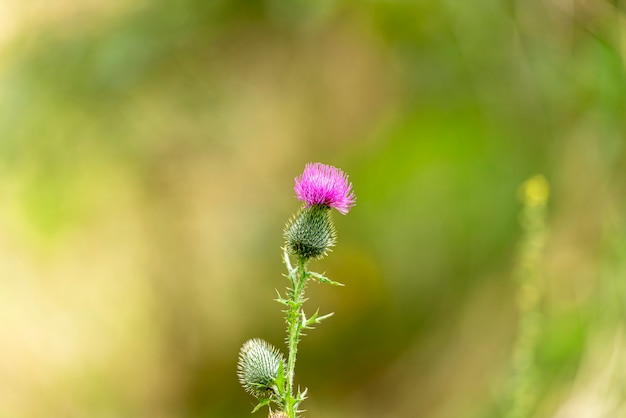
(535, 191)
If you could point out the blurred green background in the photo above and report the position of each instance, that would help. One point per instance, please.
(147, 157)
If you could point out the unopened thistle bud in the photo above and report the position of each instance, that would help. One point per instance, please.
(277, 414)
(258, 366)
(311, 233)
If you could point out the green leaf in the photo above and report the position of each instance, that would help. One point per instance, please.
(262, 403)
(323, 279)
(287, 261)
(280, 382)
(301, 396)
(280, 299)
(315, 319)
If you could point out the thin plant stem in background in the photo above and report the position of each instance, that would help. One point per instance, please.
(522, 388)
(309, 234)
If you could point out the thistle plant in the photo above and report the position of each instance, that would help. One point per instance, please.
(309, 234)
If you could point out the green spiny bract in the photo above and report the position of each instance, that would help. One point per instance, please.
(310, 233)
(258, 367)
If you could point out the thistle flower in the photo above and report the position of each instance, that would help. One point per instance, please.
(325, 185)
(258, 367)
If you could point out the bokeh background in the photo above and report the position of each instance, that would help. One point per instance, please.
(147, 157)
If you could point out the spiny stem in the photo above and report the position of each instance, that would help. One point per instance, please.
(294, 328)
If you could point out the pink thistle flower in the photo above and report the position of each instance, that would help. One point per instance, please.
(322, 184)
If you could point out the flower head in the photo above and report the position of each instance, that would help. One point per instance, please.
(258, 367)
(322, 184)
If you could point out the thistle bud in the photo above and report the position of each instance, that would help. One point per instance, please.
(258, 367)
(310, 233)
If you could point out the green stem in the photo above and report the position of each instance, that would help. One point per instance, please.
(294, 328)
